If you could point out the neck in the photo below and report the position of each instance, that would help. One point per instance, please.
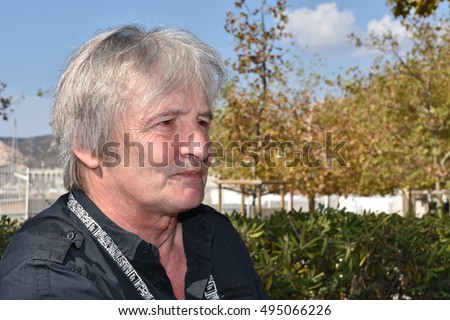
(169, 236)
(152, 227)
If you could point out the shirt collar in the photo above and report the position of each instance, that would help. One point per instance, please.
(195, 227)
(126, 241)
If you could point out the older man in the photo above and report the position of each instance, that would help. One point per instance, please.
(132, 118)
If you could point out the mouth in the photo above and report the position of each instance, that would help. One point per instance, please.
(191, 174)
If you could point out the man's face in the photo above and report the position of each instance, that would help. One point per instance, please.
(164, 155)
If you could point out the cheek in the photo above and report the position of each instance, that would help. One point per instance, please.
(159, 154)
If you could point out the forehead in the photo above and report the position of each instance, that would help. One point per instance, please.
(178, 102)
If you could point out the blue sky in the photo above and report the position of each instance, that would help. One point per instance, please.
(38, 37)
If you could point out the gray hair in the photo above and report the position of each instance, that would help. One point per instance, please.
(95, 88)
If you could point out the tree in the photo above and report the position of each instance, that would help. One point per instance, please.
(270, 121)
(317, 164)
(424, 8)
(402, 111)
(5, 107)
(251, 117)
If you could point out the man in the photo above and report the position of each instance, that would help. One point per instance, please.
(131, 116)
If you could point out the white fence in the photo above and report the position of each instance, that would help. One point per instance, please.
(25, 192)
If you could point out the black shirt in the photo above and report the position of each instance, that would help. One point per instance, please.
(54, 256)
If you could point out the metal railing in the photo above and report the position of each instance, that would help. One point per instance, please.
(25, 192)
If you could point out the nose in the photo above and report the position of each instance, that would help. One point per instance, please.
(193, 144)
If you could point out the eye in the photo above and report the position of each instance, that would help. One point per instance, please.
(205, 124)
(165, 122)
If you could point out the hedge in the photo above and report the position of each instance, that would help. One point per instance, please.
(335, 254)
(8, 227)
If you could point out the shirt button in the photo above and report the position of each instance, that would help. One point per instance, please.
(147, 251)
(70, 235)
(159, 286)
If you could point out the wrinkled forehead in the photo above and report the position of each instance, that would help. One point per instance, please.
(148, 100)
(154, 86)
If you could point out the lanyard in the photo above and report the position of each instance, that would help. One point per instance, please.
(110, 246)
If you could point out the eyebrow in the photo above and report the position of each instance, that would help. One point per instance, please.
(208, 115)
(173, 113)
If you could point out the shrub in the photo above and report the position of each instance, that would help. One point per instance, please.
(335, 254)
(8, 227)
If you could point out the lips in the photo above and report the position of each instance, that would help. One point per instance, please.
(191, 173)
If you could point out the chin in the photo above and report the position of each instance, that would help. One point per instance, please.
(192, 200)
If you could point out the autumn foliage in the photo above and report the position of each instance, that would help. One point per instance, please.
(372, 132)
(5, 103)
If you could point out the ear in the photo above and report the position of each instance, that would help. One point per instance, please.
(89, 159)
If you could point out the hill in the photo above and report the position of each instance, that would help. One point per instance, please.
(34, 152)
